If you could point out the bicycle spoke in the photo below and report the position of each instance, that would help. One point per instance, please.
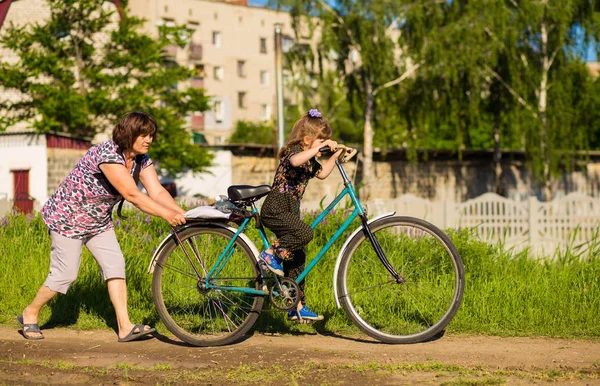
(367, 288)
(195, 250)
(426, 297)
(225, 316)
(188, 274)
(419, 310)
(201, 312)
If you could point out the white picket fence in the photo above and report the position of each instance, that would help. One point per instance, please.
(543, 227)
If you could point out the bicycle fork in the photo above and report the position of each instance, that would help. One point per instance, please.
(379, 251)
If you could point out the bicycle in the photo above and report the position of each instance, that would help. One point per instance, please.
(399, 279)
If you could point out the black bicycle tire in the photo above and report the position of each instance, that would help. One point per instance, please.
(422, 336)
(163, 312)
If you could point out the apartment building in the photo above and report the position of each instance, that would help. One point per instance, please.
(231, 48)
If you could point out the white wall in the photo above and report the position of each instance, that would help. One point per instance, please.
(24, 152)
(207, 184)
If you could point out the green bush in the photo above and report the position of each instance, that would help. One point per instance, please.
(508, 294)
(262, 133)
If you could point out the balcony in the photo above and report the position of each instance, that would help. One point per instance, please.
(197, 83)
(197, 121)
(170, 51)
(195, 51)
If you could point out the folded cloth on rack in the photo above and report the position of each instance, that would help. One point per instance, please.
(206, 212)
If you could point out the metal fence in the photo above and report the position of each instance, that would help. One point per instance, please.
(541, 226)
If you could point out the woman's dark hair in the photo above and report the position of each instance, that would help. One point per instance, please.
(131, 126)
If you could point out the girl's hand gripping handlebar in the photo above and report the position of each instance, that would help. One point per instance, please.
(346, 155)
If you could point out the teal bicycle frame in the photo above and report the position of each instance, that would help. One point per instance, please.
(358, 211)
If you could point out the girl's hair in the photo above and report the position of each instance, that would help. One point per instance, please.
(308, 125)
(131, 126)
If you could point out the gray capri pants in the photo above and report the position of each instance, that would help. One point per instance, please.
(65, 258)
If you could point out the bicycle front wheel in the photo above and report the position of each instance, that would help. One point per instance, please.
(188, 306)
(427, 295)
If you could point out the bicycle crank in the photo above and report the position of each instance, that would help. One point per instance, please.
(284, 294)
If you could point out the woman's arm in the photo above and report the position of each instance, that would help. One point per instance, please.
(149, 178)
(120, 178)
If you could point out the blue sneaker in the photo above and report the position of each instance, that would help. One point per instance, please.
(272, 262)
(305, 313)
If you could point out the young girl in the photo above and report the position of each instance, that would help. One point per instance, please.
(281, 210)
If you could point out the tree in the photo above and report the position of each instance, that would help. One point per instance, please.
(247, 132)
(457, 102)
(546, 77)
(359, 41)
(509, 69)
(475, 75)
(82, 70)
(326, 92)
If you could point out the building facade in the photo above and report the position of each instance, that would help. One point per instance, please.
(231, 48)
(33, 165)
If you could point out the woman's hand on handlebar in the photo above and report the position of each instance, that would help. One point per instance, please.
(174, 218)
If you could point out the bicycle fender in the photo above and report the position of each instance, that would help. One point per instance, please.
(171, 236)
(343, 249)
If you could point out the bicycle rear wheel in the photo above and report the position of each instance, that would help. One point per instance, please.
(420, 304)
(198, 315)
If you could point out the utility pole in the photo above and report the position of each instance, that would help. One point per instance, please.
(279, 85)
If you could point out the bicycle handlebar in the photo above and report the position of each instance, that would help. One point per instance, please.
(345, 157)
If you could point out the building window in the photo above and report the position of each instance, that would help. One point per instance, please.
(216, 39)
(241, 68)
(198, 71)
(264, 78)
(265, 112)
(219, 73)
(287, 43)
(285, 77)
(263, 45)
(242, 99)
(219, 110)
(165, 27)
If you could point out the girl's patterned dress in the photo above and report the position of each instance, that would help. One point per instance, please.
(82, 205)
(280, 212)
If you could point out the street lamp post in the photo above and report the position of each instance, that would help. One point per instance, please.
(279, 84)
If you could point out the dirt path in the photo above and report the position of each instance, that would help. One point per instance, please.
(94, 357)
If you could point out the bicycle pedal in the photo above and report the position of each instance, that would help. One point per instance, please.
(303, 321)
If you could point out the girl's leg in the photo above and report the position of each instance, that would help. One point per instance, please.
(280, 213)
(107, 252)
(293, 234)
(293, 268)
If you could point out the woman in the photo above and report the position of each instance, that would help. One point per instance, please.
(80, 213)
